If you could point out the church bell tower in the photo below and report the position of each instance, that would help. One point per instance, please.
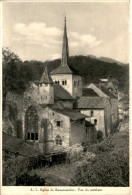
(46, 88)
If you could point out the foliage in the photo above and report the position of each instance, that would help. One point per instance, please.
(115, 126)
(16, 75)
(75, 153)
(13, 167)
(28, 180)
(99, 135)
(7, 56)
(91, 70)
(110, 165)
(103, 170)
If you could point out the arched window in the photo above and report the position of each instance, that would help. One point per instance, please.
(58, 140)
(31, 124)
(92, 113)
(74, 83)
(95, 121)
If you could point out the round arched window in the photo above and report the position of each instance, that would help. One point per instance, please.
(58, 140)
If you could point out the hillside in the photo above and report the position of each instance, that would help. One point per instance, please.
(111, 155)
(92, 69)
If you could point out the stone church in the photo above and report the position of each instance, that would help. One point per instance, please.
(52, 114)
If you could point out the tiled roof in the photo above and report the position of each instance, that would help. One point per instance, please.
(89, 92)
(61, 94)
(62, 70)
(72, 114)
(105, 91)
(90, 102)
(46, 78)
(18, 146)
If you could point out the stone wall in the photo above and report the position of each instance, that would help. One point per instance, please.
(108, 116)
(77, 132)
(115, 114)
(62, 130)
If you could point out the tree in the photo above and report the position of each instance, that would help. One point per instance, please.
(16, 75)
(7, 56)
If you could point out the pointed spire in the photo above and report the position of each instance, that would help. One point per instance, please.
(65, 50)
(46, 78)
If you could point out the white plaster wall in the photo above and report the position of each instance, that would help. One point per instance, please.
(77, 132)
(46, 94)
(77, 89)
(97, 114)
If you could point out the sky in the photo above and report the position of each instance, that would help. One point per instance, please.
(34, 30)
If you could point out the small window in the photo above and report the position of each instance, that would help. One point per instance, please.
(55, 82)
(65, 82)
(74, 83)
(58, 123)
(53, 113)
(58, 82)
(95, 121)
(32, 136)
(92, 113)
(81, 121)
(36, 136)
(28, 136)
(58, 140)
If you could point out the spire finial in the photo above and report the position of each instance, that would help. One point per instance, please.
(65, 18)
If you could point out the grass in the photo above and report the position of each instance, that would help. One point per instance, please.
(56, 175)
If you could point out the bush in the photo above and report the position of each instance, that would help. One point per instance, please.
(103, 170)
(109, 166)
(13, 167)
(27, 180)
(75, 153)
(99, 135)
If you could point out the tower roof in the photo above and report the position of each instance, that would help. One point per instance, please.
(64, 68)
(65, 49)
(46, 78)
